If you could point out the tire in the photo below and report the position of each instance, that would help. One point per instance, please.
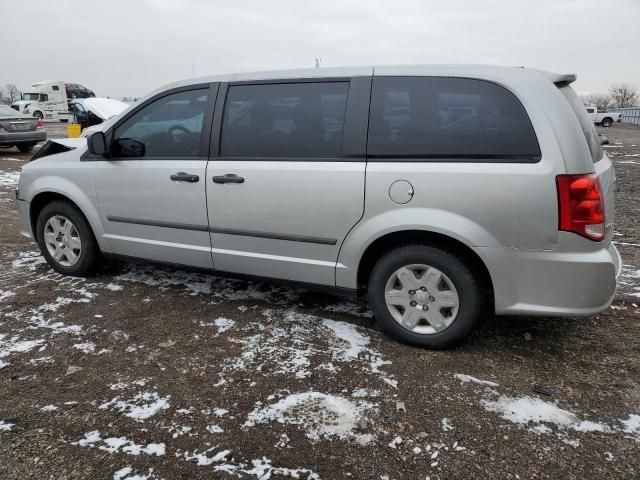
(25, 148)
(607, 122)
(86, 256)
(456, 276)
(38, 115)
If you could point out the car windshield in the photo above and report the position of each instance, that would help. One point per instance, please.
(8, 112)
(30, 96)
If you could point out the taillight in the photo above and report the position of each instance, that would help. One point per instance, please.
(40, 123)
(581, 205)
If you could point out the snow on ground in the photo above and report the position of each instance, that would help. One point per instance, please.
(629, 281)
(15, 344)
(320, 415)
(525, 410)
(9, 178)
(127, 473)
(140, 407)
(5, 426)
(468, 378)
(119, 444)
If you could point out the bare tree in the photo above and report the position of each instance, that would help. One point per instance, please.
(600, 100)
(12, 92)
(3, 98)
(624, 95)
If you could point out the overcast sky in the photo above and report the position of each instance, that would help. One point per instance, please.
(128, 48)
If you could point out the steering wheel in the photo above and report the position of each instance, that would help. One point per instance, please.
(175, 137)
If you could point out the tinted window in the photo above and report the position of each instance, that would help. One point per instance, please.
(43, 97)
(455, 118)
(169, 127)
(55, 87)
(284, 120)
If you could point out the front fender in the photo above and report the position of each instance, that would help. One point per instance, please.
(371, 229)
(84, 201)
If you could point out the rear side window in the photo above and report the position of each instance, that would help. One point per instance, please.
(586, 124)
(448, 118)
(284, 120)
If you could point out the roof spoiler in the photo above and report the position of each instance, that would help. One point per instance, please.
(558, 78)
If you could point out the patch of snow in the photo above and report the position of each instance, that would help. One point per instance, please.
(9, 346)
(140, 407)
(203, 458)
(524, 410)
(6, 294)
(468, 378)
(5, 426)
(9, 178)
(632, 425)
(213, 428)
(395, 442)
(86, 347)
(49, 408)
(319, 414)
(446, 425)
(220, 412)
(119, 444)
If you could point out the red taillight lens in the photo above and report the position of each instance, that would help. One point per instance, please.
(40, 124)
(581, 205)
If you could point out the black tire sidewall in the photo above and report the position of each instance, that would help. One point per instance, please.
(89, 249)
(467, 287)
(607, 122)
(25, 148)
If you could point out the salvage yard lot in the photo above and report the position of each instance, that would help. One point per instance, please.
(163, 373)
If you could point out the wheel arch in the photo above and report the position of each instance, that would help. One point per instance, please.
(400, 238)
(43, 198)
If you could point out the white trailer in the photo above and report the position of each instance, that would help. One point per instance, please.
(50, 100)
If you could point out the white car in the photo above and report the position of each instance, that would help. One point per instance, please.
(605, 119)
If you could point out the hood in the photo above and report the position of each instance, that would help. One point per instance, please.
(104, 108)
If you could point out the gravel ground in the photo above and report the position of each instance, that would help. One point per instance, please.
(143, 372)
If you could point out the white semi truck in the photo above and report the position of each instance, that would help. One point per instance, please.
(50, 100)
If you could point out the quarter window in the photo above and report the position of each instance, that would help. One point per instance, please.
(170, 127)
(448, 118)
(284, 120)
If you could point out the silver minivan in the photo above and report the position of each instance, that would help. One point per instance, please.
(445, 193)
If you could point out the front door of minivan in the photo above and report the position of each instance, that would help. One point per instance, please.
(288, 183)
(151, 192)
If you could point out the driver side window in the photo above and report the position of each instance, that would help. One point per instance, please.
(170, 127)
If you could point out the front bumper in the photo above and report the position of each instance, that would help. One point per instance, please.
(15, 138)
(573, 279)
(23, 208)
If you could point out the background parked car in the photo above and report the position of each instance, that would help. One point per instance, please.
(603, 118)
(20, 130)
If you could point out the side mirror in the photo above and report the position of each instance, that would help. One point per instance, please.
(128, 148)
(97, 143)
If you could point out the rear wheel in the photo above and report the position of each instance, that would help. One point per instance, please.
(425, 296)
(607, 122)
(66, 240)
(25, 148)
(38, 115)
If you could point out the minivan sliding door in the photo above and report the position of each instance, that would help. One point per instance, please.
(288, 182)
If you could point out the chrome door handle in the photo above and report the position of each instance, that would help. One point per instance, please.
(228, 178)
(184, 177)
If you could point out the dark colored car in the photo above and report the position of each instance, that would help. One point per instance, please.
(20, 130)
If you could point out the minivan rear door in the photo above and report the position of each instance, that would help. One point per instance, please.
(285, 182)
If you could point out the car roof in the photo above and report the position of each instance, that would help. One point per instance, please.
(500, 74)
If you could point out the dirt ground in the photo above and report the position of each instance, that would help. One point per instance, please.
(148, 373)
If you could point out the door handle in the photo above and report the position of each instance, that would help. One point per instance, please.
(184, 177)
(228, 178)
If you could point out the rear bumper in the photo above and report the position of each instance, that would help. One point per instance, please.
(573, 279)
(15, 138)
(23, 207)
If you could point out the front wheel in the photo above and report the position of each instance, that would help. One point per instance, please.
(66, 240)
(38, 115)
(425, 296)
(606, 122)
